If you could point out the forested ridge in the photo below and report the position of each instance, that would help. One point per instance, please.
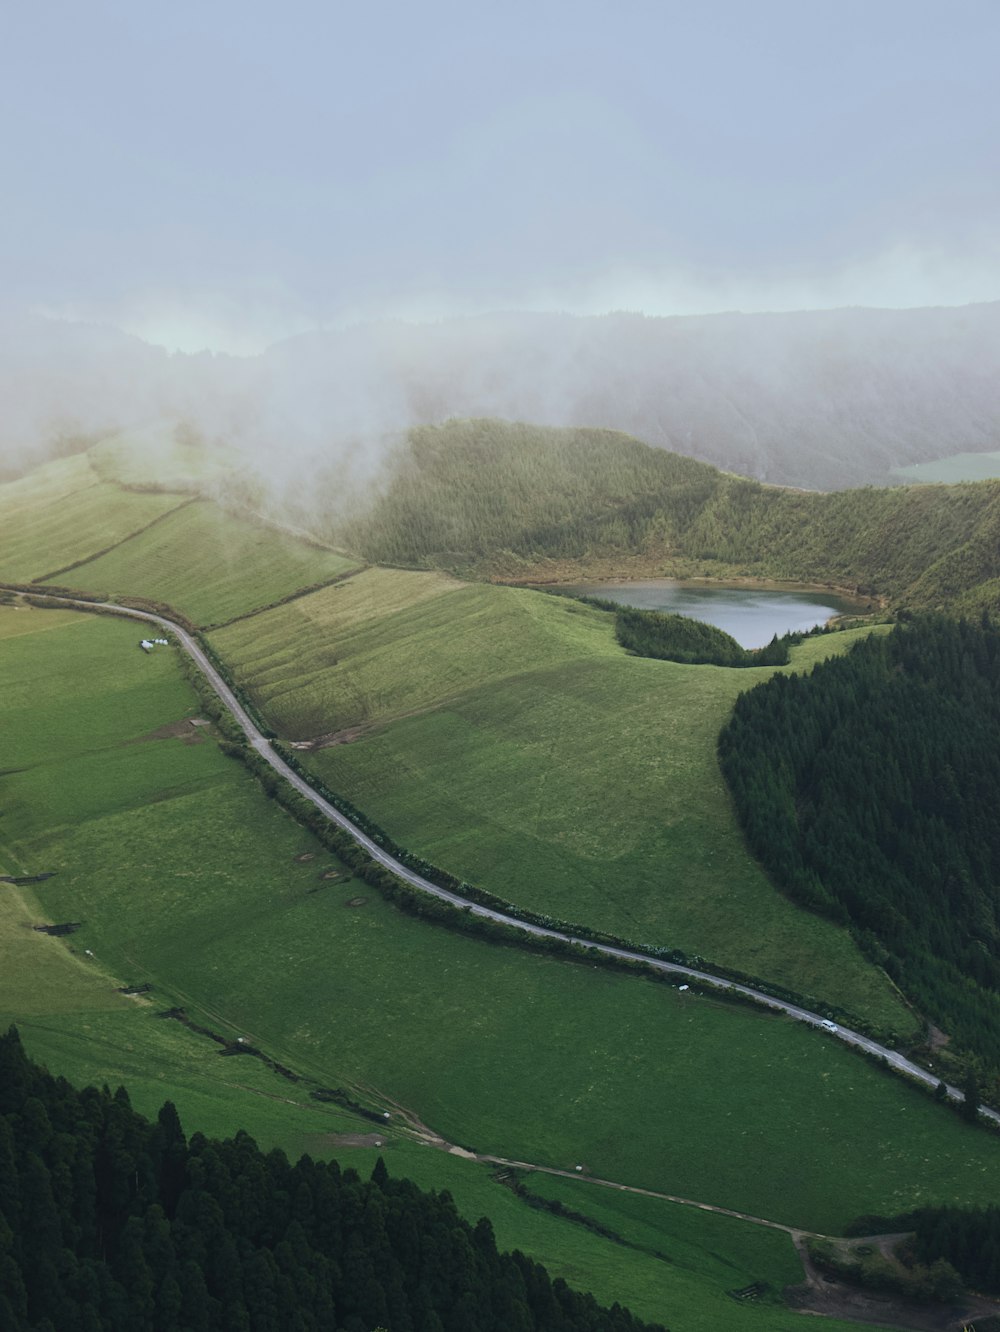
(869, 790)
(109, 1223)
(495, 499)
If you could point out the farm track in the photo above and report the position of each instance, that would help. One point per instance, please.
(892, 1058)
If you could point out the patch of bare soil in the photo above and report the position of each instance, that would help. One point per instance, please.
(820, 1294)
(356, 901)
(343, 737)
(353, 1139)
(304, 857)
(331, 874)
(178, 730)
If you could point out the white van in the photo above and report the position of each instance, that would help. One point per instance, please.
(830, 1026)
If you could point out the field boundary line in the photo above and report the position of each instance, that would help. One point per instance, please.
(581, 1178)
(287, 600)
(97, 554)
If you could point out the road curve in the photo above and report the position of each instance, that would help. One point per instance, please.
(263, 747)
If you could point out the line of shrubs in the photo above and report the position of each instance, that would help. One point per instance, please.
(443, 879)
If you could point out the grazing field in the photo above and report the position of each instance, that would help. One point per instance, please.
(680, 1262)
(705, 1256)
(513, 742)
(211, 565)
(387, 643)
(558, 1062)
(706, 1253)
(64, 512)
(187, 879)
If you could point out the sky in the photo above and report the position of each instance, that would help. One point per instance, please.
(220, 175)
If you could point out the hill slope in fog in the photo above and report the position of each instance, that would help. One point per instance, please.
(820, 400)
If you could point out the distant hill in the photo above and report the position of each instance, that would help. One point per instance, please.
(487, 500)
(521, 502)
(818, 399)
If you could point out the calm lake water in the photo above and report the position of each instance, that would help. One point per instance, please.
(751, 615)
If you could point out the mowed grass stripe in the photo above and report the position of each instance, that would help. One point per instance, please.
(211, 565)
(388, 642)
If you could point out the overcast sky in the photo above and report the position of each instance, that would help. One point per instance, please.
(223, 173)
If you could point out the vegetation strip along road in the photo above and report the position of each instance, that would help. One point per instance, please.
(893, 1058)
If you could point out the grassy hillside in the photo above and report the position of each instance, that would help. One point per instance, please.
(515, 501)
(507, 737)
(210, 564)
(387, 643)
(674, 1259)
(64, 512)
(560, 1063)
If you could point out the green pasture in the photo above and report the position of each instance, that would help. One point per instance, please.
(72, 1021)
(509, 739)
(210, 564)
(386, 643)
(498, 1050)
(75, 684)
(158, 1059)
(64, 512)
(703, 1256)
(185, 877)
(679, 1263)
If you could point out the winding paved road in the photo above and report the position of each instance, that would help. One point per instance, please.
(264, 749)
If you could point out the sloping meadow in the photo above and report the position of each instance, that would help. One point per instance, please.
(505, 736)
(189, 880)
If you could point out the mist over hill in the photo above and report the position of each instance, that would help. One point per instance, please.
(819, 400)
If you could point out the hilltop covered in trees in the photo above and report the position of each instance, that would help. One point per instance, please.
(869, 790)
(109, 1223)
(492, 499)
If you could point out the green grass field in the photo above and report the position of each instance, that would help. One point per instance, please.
(513, 742)
(388, 643)
(705, 1256)
(185, 877)
(64, 512)
(680, 1262)
(211, 565)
